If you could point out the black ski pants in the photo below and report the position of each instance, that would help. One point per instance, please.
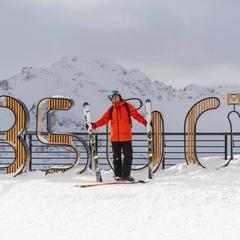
(122, 168)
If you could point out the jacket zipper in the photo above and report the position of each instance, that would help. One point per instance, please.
(118, 113)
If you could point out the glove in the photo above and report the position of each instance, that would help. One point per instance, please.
(93, 126)
(145, 123)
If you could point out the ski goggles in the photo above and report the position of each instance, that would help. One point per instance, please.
(113, 93)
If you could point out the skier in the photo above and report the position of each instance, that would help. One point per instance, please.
(121, 134)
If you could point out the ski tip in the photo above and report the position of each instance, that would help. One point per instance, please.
(85, 104)
(141, 181)
(147, 100)
(80, 186)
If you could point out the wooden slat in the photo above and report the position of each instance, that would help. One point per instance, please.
(59, 138)
(58, 103)
(192, 117)
(157, 123)
(11, 136)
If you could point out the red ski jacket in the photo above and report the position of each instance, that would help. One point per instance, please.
(121, 127)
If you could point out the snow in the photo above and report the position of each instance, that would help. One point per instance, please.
(89, 79)
(182, 202)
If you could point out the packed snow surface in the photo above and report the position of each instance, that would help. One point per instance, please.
(182, 202)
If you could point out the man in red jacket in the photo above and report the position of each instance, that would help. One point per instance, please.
(121, 133)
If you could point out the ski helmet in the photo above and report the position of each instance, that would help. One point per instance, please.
(113, 93)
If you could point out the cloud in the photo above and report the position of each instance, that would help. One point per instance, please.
(162, 38)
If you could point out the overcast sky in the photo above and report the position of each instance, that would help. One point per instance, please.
(178, 42)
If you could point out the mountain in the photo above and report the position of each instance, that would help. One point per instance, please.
(87, 79)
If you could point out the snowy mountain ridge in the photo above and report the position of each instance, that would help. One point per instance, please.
(86, 79)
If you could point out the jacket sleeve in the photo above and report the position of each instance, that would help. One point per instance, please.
(136, 115)
(103, 120)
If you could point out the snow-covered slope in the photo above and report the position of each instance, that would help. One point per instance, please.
(90, 80)
(183, 202)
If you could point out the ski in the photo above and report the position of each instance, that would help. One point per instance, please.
(148, 108)
(86, 185)
(87, 115)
